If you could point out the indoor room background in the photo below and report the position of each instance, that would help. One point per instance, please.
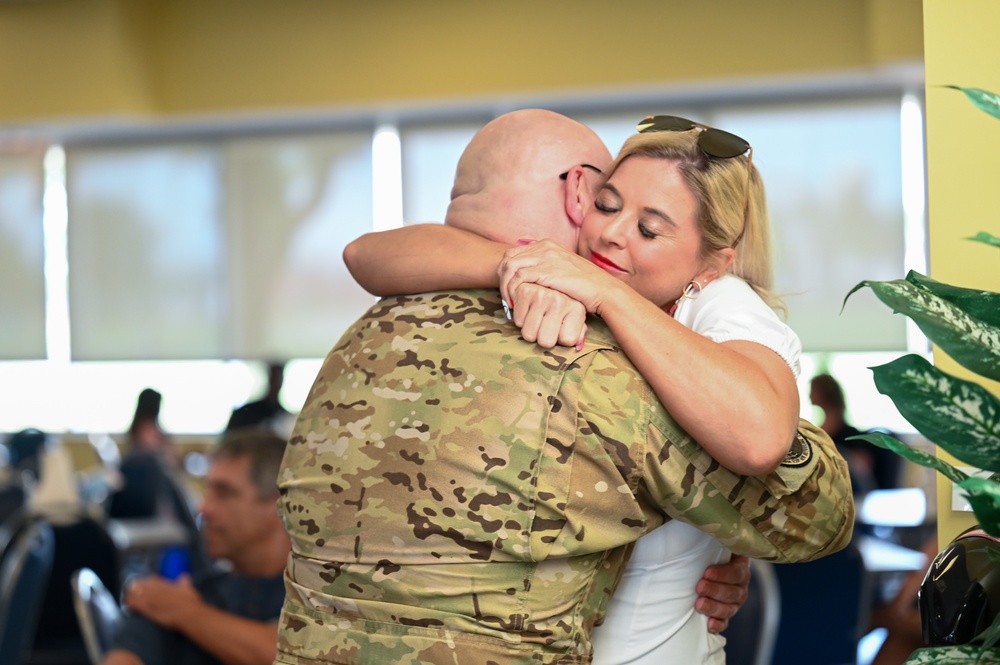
(178, 178)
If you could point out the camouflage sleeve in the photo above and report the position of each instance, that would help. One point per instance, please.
(802, 511)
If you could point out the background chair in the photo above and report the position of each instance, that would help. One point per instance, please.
(80, 542)
(13, 498)
(23, 576)
(10, 527)
(826, 605)
(751, 634)
(97, 611)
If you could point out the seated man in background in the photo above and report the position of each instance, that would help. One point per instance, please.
(225, 617)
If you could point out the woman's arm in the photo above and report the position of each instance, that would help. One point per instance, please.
(738, 399)
(434, 257)
(423, 257)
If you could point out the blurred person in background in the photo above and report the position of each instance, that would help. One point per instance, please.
(266, 411)
(871, 467)
(148, 459)
(221, 616)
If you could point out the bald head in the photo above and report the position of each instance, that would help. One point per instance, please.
(507, 183)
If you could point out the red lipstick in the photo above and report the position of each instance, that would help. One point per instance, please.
(605, 263)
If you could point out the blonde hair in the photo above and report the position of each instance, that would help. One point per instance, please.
(728, 214)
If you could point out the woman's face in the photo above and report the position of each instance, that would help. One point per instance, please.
(643, 230)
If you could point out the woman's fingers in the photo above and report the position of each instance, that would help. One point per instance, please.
(548, 317)
(510, 285)
(529, 264)
(550, 265)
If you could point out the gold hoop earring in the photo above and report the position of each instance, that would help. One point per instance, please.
(691, 291)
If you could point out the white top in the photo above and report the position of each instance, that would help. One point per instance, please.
(728, 309)
(651, 618)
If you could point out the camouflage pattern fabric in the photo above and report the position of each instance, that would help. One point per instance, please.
(457, 495)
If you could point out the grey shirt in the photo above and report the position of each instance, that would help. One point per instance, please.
(255, 598)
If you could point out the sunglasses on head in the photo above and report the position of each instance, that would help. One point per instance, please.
(713, 142)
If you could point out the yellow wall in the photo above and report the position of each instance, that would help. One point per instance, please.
(86, 59)
(962, 145)
(68, 58)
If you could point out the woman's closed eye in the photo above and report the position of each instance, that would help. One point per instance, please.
(606, 207)
(646, 231)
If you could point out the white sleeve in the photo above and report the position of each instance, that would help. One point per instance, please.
(728, 309)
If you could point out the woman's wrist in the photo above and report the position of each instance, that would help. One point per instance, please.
(608, 297)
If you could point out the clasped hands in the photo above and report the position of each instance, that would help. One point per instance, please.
(550, 290)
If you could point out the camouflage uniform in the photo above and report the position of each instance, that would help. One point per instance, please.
(457, 495)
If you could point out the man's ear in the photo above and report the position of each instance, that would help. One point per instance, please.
(579, 196)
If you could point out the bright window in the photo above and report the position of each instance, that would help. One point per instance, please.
(833, 176)
(22, 257)
(293, 203)
(147, 260)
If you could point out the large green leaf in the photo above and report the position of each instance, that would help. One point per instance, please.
(984, 497)
(973, 343)
(967, 654)
(983, 99)
(991, 635)
(916, 456)
(982, 305)
(987, 238)
(960, 416)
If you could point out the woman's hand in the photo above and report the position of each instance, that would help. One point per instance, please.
(547, 264)
(549, 317)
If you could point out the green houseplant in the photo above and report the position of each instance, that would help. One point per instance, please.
(961, 417)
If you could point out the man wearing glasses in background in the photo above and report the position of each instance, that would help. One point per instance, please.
(223, 616)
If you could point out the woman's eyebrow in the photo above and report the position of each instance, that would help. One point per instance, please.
(667, 219)
(662, 215)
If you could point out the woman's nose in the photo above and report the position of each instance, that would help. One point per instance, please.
(615, 230)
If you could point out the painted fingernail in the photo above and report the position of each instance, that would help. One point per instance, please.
(507, 310)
